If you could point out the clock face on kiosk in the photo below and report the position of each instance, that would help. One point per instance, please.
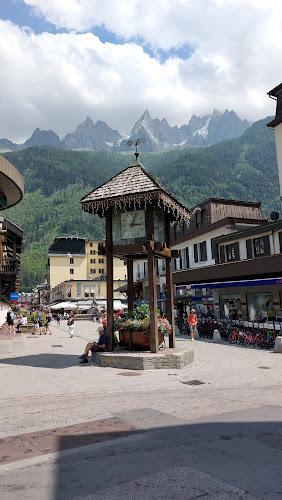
(133, 225)
(129, 227)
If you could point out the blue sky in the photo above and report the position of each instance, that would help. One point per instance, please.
(112, 60)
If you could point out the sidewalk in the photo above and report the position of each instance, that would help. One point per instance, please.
(219, 418)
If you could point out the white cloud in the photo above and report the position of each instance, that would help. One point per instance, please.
(56, 80)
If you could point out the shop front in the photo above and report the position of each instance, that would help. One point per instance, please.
(252, 300)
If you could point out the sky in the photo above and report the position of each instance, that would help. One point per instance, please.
(64, 60)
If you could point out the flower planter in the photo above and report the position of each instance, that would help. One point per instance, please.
(140, 340)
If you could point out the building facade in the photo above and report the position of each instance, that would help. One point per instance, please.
(75, 269)
(11, 193)
(233, 265)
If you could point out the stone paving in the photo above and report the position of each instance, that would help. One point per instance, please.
(212, 429)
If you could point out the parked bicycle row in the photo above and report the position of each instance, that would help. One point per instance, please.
(243, 334)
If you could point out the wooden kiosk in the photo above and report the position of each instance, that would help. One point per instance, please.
(139, 212)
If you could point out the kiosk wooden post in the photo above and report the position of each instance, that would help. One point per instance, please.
(130, 287)
(110, 276)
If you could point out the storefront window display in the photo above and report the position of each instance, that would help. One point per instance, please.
(230, 306)
(260, 306)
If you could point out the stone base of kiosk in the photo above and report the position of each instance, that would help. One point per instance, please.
(133, 360)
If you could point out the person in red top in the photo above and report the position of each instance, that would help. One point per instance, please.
(192, 320)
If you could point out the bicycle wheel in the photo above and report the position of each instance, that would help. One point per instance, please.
(232, 338)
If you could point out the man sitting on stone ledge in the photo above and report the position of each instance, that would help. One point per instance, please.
(99, 346)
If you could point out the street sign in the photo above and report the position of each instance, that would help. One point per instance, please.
(14, 297)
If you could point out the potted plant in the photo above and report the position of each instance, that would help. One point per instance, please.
(135, 328)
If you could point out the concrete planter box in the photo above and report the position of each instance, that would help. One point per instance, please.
(140, 340)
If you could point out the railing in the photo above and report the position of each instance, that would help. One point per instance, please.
(9, 266)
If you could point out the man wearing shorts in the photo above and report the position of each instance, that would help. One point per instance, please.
(99, 346)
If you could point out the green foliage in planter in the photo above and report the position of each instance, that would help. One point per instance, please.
(142, 311)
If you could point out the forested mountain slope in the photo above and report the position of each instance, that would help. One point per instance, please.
(55, 180)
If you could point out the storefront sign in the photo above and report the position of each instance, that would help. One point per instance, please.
(234, 284)
(14, 297)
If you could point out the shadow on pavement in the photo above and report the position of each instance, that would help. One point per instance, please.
(46, 360)
(210, 460)
(236, 456)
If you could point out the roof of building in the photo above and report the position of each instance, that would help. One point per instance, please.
(277, 90)
(12, 185)
(131, 185)
(253, 231)
(225, 201)
(68, 245)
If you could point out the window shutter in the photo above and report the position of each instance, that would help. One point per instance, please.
(205, 250)
(187, 257)
(195, 252)
(249, 249)
(266, 245)
(280, 241)
(222, 254)
(237, 252)
(215, 253)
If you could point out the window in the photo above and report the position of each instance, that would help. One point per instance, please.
(230, 253)
(259, 246)
(93, 271)
(86, 291)
(69, 291)
(92, 261)
(198, 220)
(203, 251)
(92, 291)
(196, 257)
(92, 252)
(91, 244)
(178, 230)
(138, 270)
(71, 260)
(71, 271)
(78, 290)
(101, 261)
(101, 271)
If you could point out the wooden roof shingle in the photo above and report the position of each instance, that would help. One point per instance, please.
(133, 181)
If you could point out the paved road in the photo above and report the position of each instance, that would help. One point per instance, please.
(71, 431)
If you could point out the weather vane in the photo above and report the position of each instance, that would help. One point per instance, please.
(136, 144)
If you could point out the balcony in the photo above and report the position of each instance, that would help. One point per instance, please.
(9, 266)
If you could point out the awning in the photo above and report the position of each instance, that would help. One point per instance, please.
(234, 284)
(69, 306)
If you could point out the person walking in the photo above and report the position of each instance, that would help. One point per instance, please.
(58, 319)
(48, 324)
(70, 324)
(192, 321)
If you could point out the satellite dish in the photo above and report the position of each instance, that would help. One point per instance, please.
(274, 216)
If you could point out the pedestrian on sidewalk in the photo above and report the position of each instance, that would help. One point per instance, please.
(192, 321)
(70, 324)
(58, 319)
(11, 320)
(48, 324)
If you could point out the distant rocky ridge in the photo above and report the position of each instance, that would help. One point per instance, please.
(200, 131)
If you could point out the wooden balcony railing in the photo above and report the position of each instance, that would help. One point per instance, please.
(9, 266)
